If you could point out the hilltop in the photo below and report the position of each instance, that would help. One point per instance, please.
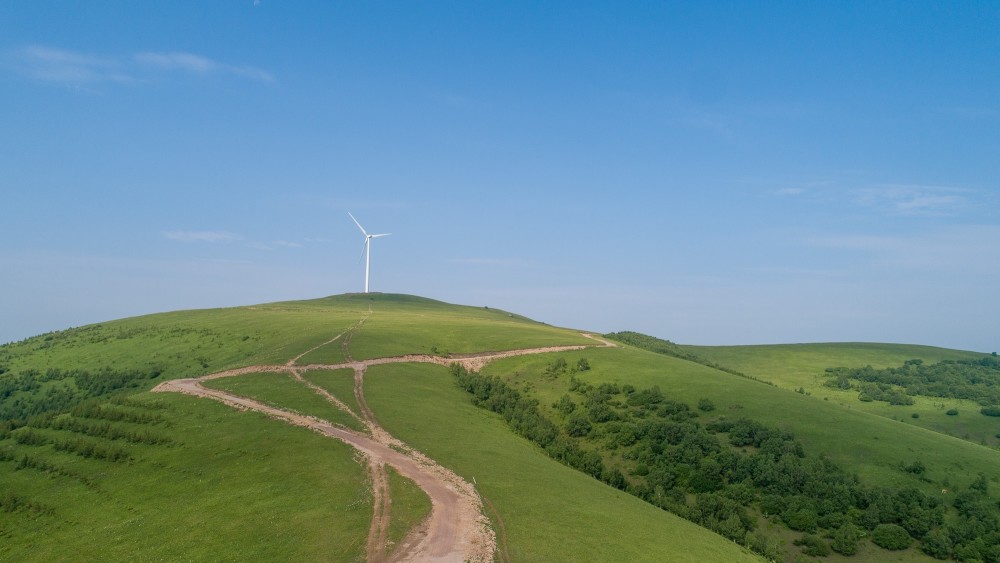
(561, 445)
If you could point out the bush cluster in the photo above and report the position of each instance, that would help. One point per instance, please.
(977, 380)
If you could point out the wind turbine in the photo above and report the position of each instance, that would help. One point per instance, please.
(368, 247)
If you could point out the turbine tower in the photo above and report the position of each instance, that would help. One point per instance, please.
(367, 248)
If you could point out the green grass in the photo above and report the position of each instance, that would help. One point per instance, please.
(280, 390)
(410, 506)
(339, 383)
(792, 366)
(402, 325)
(550, 512)
(328, 354)
(232, 486)
(871, 446)
(235, 485)
(188, 343)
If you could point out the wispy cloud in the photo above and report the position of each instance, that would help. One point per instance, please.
(190, 62)
(78, 69)
(902, 199)
(50, 64)
(202, 236)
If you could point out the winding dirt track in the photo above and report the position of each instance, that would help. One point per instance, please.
(457, 529)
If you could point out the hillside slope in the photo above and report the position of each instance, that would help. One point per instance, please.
(93, 466)
(804, 367)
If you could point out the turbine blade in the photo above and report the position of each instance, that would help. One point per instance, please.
(358, 224)
(381, 235)
(364, 247)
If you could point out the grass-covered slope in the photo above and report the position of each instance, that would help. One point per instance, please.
(411, 325)
(194, 479)
(876, 449)
(543, 511)
(145, 350)
(218, 484)
(803, 367)
(186, 343)
(795, 365)
(92, 467)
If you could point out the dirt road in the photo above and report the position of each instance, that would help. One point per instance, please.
(457, 529)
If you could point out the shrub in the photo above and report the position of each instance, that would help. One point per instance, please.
(891, 536)
(813, 546)
(802, 520)
(706, 405)
(952, 412)
(937, 544)
(915, 415)
(578, 425)
(845, 539)
(990, 411)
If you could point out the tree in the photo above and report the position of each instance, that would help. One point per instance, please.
(981, 484)
(578, 425)
(845, 539)
(937, 544)
(802, 520)
(565, 404)
(891, 536)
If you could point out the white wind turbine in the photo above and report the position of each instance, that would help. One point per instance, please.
(368, 247)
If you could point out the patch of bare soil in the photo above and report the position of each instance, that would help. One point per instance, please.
(378, 533)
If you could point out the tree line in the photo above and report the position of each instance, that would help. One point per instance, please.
(32, 392)
(977, 380)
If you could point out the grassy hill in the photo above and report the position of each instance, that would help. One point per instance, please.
(92, 466)
(108, 471)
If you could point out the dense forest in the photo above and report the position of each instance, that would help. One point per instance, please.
(727, 474)
(977, 380)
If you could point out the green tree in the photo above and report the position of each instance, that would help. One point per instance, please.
(802, 520)
(845, 539)
(891, 536)
(565, 405)
(937, 544)
(578, 425)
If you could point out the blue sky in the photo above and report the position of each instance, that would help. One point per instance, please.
(707, 172)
